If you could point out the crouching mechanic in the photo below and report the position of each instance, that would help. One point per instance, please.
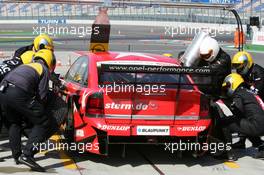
(24, 55)
(212, 56)
(253, 75)
(23, 95)
(247, 107)
(8, 65)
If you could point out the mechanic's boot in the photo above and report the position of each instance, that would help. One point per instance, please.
(256, 141)
(261, 147)
(231, 157)
(16, 161)
(228, 156)
(241, 144)
(16, 156)
(260, 154)
(30, 162)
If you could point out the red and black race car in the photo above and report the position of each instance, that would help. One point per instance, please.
(129, 98)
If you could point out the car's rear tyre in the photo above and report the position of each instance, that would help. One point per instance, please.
(57, 108)
(69, 123)
(56, 111)
(1, 123)
(1, 119)
(215, 135)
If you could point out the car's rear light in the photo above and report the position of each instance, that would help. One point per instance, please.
(95, 105)
(204, 107)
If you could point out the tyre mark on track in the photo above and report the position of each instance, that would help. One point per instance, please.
(151, 163)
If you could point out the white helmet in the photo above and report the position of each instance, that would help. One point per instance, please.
(209, 49)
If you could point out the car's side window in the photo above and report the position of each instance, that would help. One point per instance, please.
(78, 72)
(83, 71)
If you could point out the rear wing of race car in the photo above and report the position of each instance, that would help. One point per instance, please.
(154, 69)
(195, 73)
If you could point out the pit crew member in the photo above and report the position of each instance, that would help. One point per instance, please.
(23, 95)
(253, 74)
(247, 107)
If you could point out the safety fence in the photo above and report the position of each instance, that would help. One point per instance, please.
(246, 8)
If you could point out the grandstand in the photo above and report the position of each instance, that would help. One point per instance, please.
(246, 8)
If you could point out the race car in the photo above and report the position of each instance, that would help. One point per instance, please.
(130, 98)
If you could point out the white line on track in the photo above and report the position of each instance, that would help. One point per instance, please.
(254, 51)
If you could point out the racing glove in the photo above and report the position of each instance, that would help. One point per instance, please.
(58, 83)
(254, 90)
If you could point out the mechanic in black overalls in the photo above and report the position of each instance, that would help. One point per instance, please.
(247, 109)
(253, 74)
(24, 92)
(212, 56)
(8, 65)
(24, 55)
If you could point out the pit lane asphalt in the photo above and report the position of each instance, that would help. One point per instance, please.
(139, 159)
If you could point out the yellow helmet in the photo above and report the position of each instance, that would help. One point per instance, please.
(27, 57)
(43, 41)
(47, 56)
(242, 62)
(231, 83)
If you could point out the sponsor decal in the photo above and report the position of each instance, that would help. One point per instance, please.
(113, 127)
(79, 133)
(153, 130)
(139, 106)
(153, 106)
(154, 69)
(191, 128)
